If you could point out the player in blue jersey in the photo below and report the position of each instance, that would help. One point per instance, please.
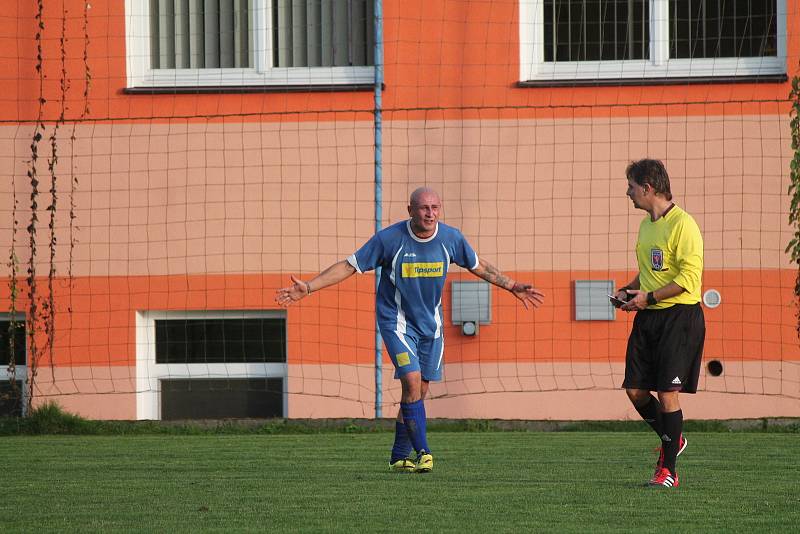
(415, 256)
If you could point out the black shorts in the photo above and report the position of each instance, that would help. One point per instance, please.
(665, 348)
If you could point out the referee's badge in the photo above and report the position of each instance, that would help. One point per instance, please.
(657, 259)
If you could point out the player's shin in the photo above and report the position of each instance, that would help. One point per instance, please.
(671, 438)
(415, 422)
(402, 444)
(651, 413)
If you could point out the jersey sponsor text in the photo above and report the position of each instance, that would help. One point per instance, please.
(423, 270)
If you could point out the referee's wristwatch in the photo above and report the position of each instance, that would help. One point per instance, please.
(651, 299)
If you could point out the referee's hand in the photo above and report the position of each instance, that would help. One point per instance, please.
(637, 300)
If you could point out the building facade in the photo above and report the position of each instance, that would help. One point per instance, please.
(187, 156)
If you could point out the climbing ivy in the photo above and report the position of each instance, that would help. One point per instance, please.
(40, 305)
(793, 249)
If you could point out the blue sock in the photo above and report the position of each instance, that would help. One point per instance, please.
(402, 445)
(414, 419)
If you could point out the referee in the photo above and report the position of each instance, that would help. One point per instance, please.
(666, 342)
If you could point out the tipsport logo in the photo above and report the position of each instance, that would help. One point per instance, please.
(423, 270)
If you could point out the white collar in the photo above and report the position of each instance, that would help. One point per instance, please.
(419, 239)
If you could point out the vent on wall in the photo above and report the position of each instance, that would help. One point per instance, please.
(471, 305)
(591, 300)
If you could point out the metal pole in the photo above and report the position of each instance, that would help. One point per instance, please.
(378, 192)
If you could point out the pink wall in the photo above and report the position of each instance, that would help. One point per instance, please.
(543, 198)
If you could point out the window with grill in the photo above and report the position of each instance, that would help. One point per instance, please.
(210, 364)
(245, 340)
(723, 28)
(249, 42)
(596, 30)
(11, 398)
(641, 39)
(13, 356)
(224, 398)
(12, 341)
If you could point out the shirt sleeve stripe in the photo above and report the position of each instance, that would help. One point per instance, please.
(351, 259)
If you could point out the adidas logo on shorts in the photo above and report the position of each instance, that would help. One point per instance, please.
(676, 381)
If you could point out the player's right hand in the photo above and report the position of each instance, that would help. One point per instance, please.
(287, 296)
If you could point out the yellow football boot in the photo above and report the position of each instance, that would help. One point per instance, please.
(424, 463)
(406, 465)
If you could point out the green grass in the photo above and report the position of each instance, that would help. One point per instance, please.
(482, 482)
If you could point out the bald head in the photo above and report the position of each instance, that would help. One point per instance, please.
(426, 192)
(423, 208)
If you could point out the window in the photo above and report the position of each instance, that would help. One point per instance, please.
(12, 341)
(197, 398)
(219, 43)
(212, 340)
(210, 365)
(648, 39)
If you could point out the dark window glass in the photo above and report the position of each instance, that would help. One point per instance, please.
(5, 342)
(221, 341)
(596, 30)
(722, 28)
(221, 398)
(10, 399)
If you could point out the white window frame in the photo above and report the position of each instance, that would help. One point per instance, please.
(140, 75)
(149, 374)
(534, 68)
(20, 371)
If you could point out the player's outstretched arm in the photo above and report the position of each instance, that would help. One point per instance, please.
(524, 292)
(299, 289)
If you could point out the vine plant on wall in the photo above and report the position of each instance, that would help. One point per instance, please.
(794, 187)
(41, 305)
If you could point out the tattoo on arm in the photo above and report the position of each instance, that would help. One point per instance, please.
(491, 274)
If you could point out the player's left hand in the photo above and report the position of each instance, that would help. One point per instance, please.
(637, 300)
(528, 295)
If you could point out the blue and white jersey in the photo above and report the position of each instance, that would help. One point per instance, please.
(409, 297)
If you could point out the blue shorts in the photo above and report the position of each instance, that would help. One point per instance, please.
(411, 354)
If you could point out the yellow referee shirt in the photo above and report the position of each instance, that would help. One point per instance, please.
(671, 250)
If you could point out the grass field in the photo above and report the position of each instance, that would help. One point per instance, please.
(482, 482)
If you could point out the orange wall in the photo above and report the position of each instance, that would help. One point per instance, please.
(336, 326)
(443, 55)
(538, 191)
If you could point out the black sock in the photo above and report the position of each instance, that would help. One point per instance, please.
(651, 413)
(671, 438)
